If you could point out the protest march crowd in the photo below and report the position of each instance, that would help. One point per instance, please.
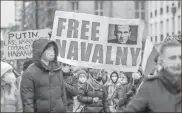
(50, 85)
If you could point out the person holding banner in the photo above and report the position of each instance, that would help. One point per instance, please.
(161, 93)
(42, 87)
(93, 94)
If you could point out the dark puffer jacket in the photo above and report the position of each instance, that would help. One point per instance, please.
(86, 95)
(42, 88)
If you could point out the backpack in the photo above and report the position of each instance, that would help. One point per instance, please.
(78, 106)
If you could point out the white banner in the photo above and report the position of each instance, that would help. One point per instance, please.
(18, 45)
(98, 42)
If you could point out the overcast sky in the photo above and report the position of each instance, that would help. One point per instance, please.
(7, 13)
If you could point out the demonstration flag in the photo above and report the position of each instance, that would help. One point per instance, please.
(149, 56)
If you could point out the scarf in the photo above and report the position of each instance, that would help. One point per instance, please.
(111, 90)
(171, 84)
(94, 84)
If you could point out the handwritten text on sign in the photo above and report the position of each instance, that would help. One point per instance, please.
(82, 41)
(18, 45)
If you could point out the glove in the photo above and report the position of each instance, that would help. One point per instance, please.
(133, 88)
(129, 94)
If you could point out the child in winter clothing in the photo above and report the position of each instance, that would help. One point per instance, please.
(10, 95)
(82, 78)
(93, 94)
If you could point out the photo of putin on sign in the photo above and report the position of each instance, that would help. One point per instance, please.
(122, 35)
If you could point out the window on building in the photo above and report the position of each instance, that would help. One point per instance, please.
(161, 11)
(179, 4)
(136, 14)
(167, 9)
(155, 12)
(151, 29)
(137, 5)
(155, 39)
(143, 15)
(151, 15)
(173, 24)
(142, 5)
(167, 25)
(75, 6)
(179, 32)
(167, 34)
(151, 39)
(99, 8)
(155, 28)
(162, 38)
(161, 27)
(140, 9)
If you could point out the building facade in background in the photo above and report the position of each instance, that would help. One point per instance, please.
(164, 19)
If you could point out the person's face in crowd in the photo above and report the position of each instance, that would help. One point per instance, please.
(114, 77)
(171, 60)
(82, 78)
(136, 76)
(123, 34)
(104, 75)
(123, 79)
(9, 77)
(49, 54)
(96, 74)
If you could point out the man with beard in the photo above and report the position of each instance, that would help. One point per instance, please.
(122, 33)
(161, 93)
(93, 94)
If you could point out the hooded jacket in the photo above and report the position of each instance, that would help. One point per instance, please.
(42, 87)
(9, 104)
(159, 93)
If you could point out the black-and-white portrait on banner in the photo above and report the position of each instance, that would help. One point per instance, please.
(123, 34)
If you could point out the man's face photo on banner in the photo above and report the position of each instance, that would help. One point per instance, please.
(122, 34)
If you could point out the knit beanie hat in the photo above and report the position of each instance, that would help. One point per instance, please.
(82, 72)
(5, 67)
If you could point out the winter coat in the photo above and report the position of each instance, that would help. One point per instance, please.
(157, 94)
(70, 83)
(117, 94)
(12, 105)
(42, 87)
(128, 92)
(13, 102)
(86, 94)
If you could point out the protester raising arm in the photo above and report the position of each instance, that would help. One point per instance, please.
(27, 92)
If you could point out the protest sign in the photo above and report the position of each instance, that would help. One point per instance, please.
(18, 45)
(98, 42)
